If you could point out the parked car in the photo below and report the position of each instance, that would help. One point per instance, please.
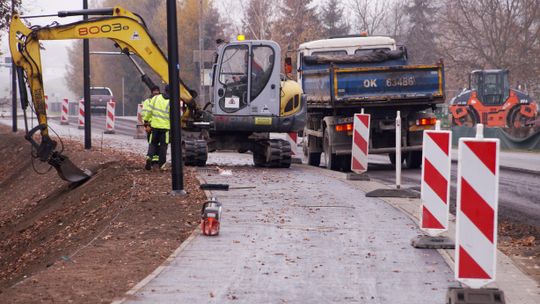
(99, 96)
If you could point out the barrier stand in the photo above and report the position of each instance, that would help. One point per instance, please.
(64, 119)
(140, 131)
(81, 114)
(476, 220)
(109, 120)
(398, 191)
(292, 138)
(435, 189)
(360, 147)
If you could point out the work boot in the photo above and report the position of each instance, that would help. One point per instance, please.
(148, 165)
(163, 167)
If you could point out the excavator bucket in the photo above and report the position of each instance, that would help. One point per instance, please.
(67, 170)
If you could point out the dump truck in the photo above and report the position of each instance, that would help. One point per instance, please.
(342, 76)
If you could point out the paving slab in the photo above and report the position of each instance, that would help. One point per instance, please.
(299, 237)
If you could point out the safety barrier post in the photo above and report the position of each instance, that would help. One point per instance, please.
(397, 191)
(140, 133)
(476, 216)
(435, 189)
(292, 138)
(81, 114)
(398, 150)
(64, 118)
(109, 120)
(360, 147)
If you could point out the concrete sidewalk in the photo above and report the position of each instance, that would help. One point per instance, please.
(300, 237)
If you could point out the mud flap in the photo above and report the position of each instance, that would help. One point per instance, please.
(67, 170)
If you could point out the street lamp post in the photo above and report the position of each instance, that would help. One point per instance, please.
(86, 84)
(176, 130)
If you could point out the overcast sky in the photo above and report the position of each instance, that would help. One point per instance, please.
(54, 56)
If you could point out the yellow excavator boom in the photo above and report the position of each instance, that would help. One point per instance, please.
(129, 34)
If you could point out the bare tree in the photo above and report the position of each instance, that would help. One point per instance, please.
(370, 15)
(298, 22)
(259, 16)
(332, 18)
(396, 23)
(5, 13)
(422, 31)
(381, 17)
(493, 34)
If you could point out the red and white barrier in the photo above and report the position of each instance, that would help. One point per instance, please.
(64, 118)
(81, 114)
(360, 147)
(292, 138)
(435, 186)
(109, 120)
(476, 210)
(139, 114)
(140, 132)
(47, 104)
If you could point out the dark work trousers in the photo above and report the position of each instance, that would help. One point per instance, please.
(158, 145)
(155, 157)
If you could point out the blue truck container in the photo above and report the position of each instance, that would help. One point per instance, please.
(339, 84)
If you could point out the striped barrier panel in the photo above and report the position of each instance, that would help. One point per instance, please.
(109, 120)
(64, 118)
(81, 114)
(435, 184)
(360, 143)
(476, 210)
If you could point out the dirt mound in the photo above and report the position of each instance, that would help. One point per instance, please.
(89, 243)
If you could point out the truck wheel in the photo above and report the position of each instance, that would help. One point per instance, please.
(332, 162)
(345, 163)
(414, 159)
(314, 159)
(392, 158)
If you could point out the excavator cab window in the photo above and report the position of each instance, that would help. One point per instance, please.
(262, 65)
(234, 76)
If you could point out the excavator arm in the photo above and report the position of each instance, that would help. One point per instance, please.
(129, 34)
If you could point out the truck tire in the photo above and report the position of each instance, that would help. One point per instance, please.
(332, 161)
(413, 159)
(345, 163)
(392, 158)
(314, 158)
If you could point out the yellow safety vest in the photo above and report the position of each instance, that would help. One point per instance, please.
(158, 113)
(145, 108)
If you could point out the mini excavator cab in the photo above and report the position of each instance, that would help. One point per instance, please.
(248, 92)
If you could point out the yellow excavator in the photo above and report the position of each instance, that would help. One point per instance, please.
(249, 96)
